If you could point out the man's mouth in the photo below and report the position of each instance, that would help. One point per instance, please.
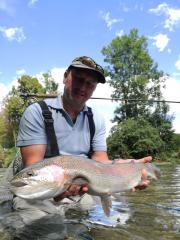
(79, 94)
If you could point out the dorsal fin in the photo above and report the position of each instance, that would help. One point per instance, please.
(106, 204)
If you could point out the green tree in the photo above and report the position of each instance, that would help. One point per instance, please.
(2, 128)
(160, 119)
(13, 108)
(7, 133)
(176, 139)
(134, 75)
(134, 138)
(176, 147)
(50, 85)
(136, 79)
(28, 84)
(2, 156)
(14, 104)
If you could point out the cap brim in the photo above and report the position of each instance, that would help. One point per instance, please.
(101, 77)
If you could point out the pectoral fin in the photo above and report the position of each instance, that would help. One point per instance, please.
(80, 181)
(106, 204)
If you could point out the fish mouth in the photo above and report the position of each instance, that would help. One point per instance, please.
(18, 184)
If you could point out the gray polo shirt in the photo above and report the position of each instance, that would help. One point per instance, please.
(72, 138)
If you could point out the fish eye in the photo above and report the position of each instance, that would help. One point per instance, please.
(30, 173)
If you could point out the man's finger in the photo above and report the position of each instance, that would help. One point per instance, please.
(144, 160)
(144, 175)
(85, 189)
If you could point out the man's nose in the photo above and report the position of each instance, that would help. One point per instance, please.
(83, 85)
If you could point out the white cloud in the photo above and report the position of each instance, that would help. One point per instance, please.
(176, 74)
(3, 92)
(12, 34)
(169, 50)
(171, 93)
(32, 3)
(177, 64)
(109, 21)
(6, 6)
(20, 72)
(5, 88)
(160, 41)
(120, 33)
(172, 14)
(138, 7)
(161, 8)
(57, 74)
(125, 9)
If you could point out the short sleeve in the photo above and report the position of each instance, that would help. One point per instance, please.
(31, 128)
(99, 140)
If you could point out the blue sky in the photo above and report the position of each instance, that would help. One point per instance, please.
(41, 35)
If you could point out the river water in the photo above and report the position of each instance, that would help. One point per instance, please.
(151, 214)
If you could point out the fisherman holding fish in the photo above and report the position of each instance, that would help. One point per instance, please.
(71, 123)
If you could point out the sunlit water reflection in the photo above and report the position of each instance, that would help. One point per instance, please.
(152, 214)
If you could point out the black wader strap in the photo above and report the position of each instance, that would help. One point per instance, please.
(91, 128)
(49, 128)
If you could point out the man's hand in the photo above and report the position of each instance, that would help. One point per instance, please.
(144, 181)
(143, 160)
(73, 190)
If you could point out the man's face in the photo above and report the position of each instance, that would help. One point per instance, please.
(79, 85)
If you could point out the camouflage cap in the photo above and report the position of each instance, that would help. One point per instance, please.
(88, 63)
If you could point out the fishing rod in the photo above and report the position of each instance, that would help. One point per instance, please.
(38, 95)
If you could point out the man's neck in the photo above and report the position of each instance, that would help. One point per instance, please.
(70, 108)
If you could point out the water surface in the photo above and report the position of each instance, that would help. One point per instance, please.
(151, 214)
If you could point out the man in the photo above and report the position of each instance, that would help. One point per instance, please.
(71, 125)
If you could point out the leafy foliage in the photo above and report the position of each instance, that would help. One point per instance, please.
(134, 75)
(176, 139)
(136, 79)
(2, 156)
(6, 156)
(28, 84)
(14, 105)
(134, 138)
(50, 85)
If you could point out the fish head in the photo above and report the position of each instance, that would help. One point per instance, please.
(39, 183)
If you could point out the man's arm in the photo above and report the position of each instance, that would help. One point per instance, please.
(101, 156)
(32, 153)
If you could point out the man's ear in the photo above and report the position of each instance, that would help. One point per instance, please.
(65, 77)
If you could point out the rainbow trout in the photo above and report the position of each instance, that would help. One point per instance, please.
(51, 177)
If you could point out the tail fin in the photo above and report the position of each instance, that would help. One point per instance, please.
(153, 170)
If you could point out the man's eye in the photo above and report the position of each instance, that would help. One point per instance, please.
(80, 79)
